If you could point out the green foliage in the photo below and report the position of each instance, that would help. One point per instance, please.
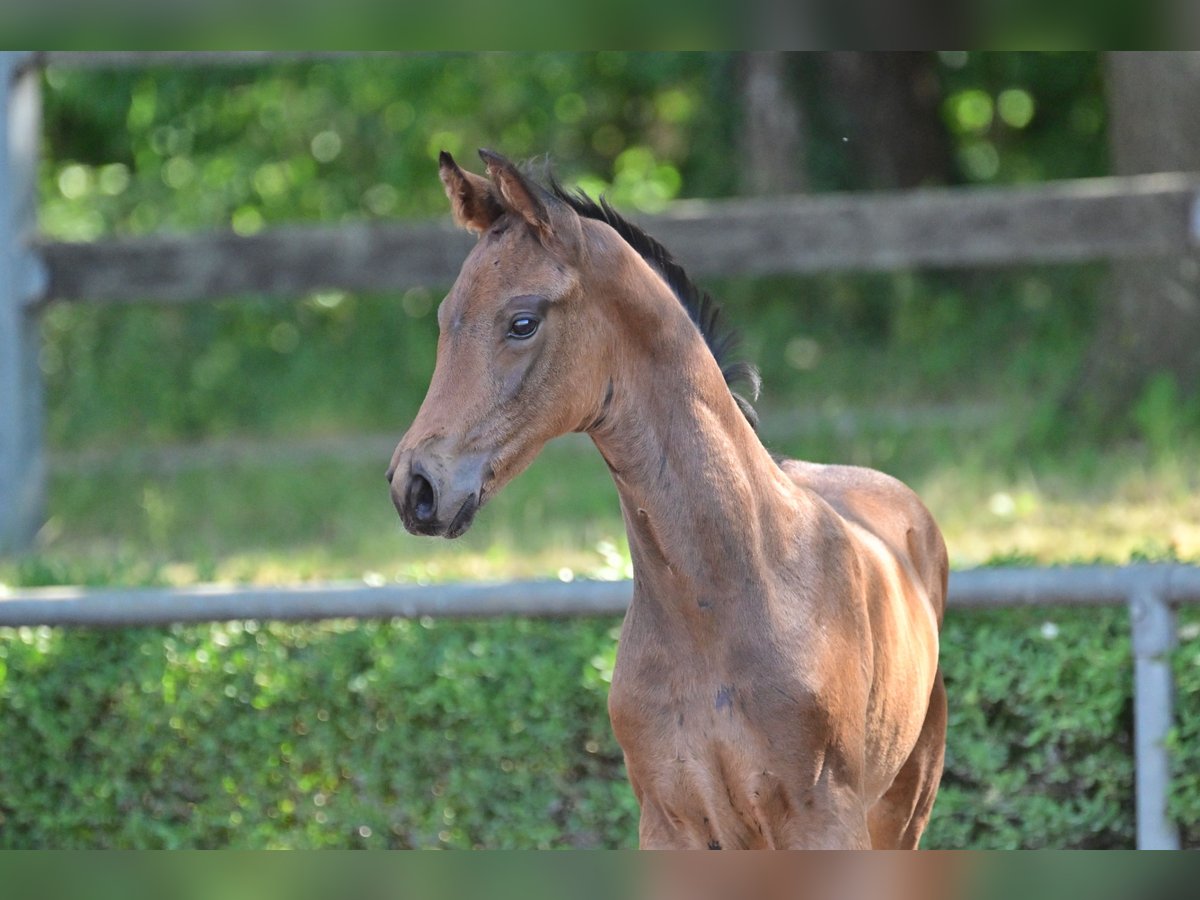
(331, 362)
(916, 338)
(245, 147)
(1185, 741)
(251, 147)
(1162, 417)
(1019, 117)
(1039, 753)
(376, 735)
(1010, 117)
(248, 148)
(495, 734)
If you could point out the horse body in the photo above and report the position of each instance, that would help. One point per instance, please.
(780, 627)
(776, 682)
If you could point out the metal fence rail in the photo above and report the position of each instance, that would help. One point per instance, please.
(1152, 593)
(1172, 584)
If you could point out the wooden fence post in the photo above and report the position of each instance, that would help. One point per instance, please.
(22, 279)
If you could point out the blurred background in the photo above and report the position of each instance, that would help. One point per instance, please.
(1047, 415)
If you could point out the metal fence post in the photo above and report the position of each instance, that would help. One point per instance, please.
(1152, 621)
(22, 463)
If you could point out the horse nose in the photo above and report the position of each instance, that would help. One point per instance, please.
(421, 499)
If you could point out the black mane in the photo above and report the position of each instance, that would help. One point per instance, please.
(700, 306)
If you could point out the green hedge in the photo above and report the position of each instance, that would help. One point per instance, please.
(495, 734)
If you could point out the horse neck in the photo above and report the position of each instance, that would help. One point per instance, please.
(705, 506)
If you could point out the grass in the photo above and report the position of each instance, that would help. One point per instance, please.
(261, 521)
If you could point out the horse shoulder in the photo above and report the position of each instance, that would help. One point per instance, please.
(901, 562)
(889, 510)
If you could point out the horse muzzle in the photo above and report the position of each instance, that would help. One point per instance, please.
(434, 496)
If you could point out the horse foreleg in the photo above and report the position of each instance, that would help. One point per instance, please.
(898, 819)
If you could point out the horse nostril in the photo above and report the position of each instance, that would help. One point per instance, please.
(390, 474)
(422, 501)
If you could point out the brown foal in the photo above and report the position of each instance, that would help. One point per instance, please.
(777, 680)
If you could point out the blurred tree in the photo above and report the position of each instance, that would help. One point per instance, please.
(1150, 319)
(773, 126)
(889, 108)
(139, 151)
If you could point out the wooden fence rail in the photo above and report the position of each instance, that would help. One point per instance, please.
(1060, 222)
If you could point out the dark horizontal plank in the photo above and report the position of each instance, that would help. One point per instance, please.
(977, 588)
(1058, 222)
(1052, 222)
(281, 262)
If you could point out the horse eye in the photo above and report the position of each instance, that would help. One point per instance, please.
(523, 327)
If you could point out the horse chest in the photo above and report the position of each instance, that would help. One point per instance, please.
(714, 763)
(723, 739)
(681, 712)
(682, 709)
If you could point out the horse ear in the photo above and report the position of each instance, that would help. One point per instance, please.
(473, 199)
(518, 194)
